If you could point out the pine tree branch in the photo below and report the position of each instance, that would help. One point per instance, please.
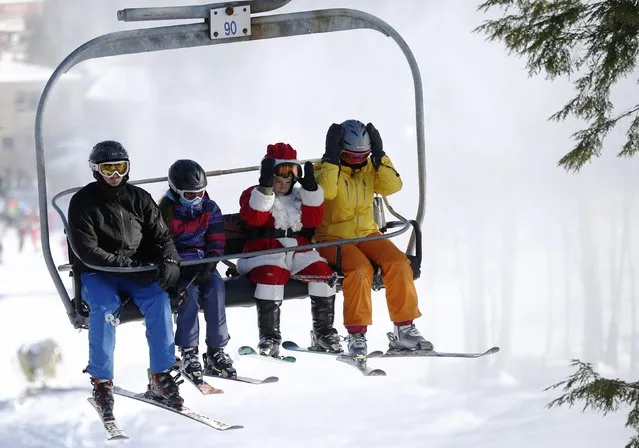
(600, 394)
(561, 37)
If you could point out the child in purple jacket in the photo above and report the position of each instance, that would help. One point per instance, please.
(197, 226)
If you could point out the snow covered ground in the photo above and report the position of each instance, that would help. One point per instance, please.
(318, 402)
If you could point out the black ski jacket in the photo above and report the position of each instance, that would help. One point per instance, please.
(114, 226)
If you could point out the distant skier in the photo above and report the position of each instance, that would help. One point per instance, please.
(353, 168)
(114, 223)
(280, 215)
(197, 226)
(38, 361)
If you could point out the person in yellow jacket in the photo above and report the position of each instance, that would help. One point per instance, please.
(353, 168)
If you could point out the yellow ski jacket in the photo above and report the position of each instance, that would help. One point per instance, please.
(348, 197)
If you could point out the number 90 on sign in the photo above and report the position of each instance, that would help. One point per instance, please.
(230, 22)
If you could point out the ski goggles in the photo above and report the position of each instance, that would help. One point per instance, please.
(354, 158)
(191, 195)
(288, 169)
(110, 169)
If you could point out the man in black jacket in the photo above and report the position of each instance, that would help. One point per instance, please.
(113, 223)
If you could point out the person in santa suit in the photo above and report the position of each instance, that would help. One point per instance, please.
(279, 214)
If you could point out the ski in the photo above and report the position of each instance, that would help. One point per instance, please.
(111, 427)
(242, 379)
(201, 385)
(292, 346)
(394, 353)
(245, 350)
(360, 364)
(184, 411)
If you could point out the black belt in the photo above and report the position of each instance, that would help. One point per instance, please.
(270, 232)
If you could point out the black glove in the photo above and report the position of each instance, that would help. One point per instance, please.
(267, 169)
(332, 149)
(206, 273)
(308, 181)
(169, 272)
(377, 147)
(125, 262)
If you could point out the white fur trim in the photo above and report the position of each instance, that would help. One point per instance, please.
(260, 201)
(312, 198)
(269, 292)
(280, 161)
(302, 260)
(287, 211)
(246, 265)
(320, 289)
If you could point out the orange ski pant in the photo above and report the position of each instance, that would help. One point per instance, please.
(401, 296)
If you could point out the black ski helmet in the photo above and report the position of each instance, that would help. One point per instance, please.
(107, 151)
(356, 138)
(187, 175)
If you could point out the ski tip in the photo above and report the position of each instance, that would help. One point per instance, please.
(246, 350)
(234, 427)
(376, 372)
(270, 379)
(491, 350)
(289, 358)
(290, 345)
(375, 354)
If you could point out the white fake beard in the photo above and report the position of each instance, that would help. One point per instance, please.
(287, 211)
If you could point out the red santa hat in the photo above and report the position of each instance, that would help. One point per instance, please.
(282, 153)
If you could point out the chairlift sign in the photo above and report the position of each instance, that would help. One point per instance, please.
(230, 22)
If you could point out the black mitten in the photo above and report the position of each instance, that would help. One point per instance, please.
(308, 181)
(332, 149)
(206, 273)
(169, 272)
(267, 168)
(377, 147)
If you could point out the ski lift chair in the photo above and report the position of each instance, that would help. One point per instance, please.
(221, 23)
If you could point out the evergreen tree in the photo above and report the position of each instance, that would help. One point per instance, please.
(600, 394)
(596, 41)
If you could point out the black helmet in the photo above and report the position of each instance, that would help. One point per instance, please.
(187, 175)
(108, 151)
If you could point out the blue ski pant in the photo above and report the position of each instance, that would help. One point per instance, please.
(101, 291)
(213, 303)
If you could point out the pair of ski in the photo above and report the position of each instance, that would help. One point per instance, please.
(207, 389)
(115, 432)
(359, 363)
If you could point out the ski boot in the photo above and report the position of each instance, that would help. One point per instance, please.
(269, 347)
(163, 388)
(324, 337)
(408, 337)
(103, 396)
(357, 345)
(217, 362)
(268, 324)
(191, 366)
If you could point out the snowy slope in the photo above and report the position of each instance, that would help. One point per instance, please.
(318, 401)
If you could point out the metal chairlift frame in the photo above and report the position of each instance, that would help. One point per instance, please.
(200, 34)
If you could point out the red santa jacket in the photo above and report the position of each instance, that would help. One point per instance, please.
(277, 222)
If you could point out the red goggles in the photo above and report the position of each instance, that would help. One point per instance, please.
(354, 158)
(288, 169)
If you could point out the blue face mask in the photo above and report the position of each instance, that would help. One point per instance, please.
(190, 203)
